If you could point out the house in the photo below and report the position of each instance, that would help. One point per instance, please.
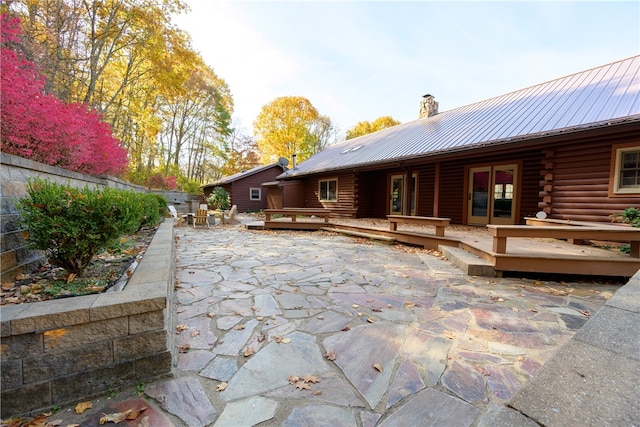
(245, 188)
(564, 149)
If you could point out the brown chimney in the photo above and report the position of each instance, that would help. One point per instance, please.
(428, 107)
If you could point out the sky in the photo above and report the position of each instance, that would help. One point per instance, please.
(360, 60)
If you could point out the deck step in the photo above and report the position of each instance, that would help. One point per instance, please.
(383, 239)
(469, 263)
(255, 225)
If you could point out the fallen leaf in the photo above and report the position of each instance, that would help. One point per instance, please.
(278, 292)
(585, 313)
(331, 355)
(262, 337)
(370, 319)
(311, 379)
(296, 289)
(221, 386)
(320, 317)
(277, 338)
(181, 328)
(211, 314)
(195, 333)
(376, 310)
(285, 340)
(119, 417)
(184, 348)
(301, 385)
(355, 306)
(71, 277)
(134, 413)
(293, 379)
(409, 304)
(248, 351)
(239, 327)
(54, 423)
(317, 392)
(449, 334)
(83, 406)
(259, 318)
(378, 367)
(346, 328)
(255, 308)
(144, 422)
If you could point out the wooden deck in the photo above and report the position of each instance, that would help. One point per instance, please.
(525, 254)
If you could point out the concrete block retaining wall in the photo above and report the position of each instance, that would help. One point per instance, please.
(15, 173)
(61, 351)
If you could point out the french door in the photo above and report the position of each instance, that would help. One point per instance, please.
(398, 192)
(492, 194)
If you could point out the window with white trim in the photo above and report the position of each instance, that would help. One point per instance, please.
(255, 194)
(328, 190)
(626, 170)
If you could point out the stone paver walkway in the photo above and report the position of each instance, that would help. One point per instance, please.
(310, 328)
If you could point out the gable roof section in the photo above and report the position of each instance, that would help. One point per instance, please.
(592, 98)
(240, 175)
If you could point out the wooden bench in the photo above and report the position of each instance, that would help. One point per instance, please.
(295, 212)
(439, 223)
(500, 234)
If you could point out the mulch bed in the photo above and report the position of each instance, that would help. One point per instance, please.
(104, 271)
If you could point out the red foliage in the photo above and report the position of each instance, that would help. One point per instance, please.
(160, 182)
(40, 127)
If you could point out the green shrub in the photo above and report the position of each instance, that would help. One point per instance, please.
(73, 225)
(219, 199)
(628, 216)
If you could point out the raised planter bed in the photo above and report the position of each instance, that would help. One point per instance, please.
(60, 351)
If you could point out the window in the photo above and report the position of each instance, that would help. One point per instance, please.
(328, 190)
(254, 194)
(625, 170)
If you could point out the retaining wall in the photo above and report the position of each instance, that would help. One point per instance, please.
(61, 351)
(15, 173)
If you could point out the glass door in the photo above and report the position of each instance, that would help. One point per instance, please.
(492, 195)
(397, 195)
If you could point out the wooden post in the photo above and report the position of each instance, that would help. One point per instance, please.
(499, 245)
(436, 191)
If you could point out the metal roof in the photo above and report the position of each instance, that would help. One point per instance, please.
(232, 178)
(591, 98)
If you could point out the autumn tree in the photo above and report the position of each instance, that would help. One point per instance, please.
(40, 127)
(365, 127)
(290, 125)
(128, 61)
(241, 154)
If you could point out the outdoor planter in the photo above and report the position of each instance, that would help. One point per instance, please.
(59, 351)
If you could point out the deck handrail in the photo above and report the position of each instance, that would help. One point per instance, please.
(500, 234)
(439, 223)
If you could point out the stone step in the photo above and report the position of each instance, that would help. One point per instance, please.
(469, 263)
(383, 239)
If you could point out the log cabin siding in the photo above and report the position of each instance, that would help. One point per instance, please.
(346, 191)
(452, 191)
(581, 188)
(426, 182)
(372, 190)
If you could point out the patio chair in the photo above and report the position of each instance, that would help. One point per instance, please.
(201, 217)
(179, 219)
